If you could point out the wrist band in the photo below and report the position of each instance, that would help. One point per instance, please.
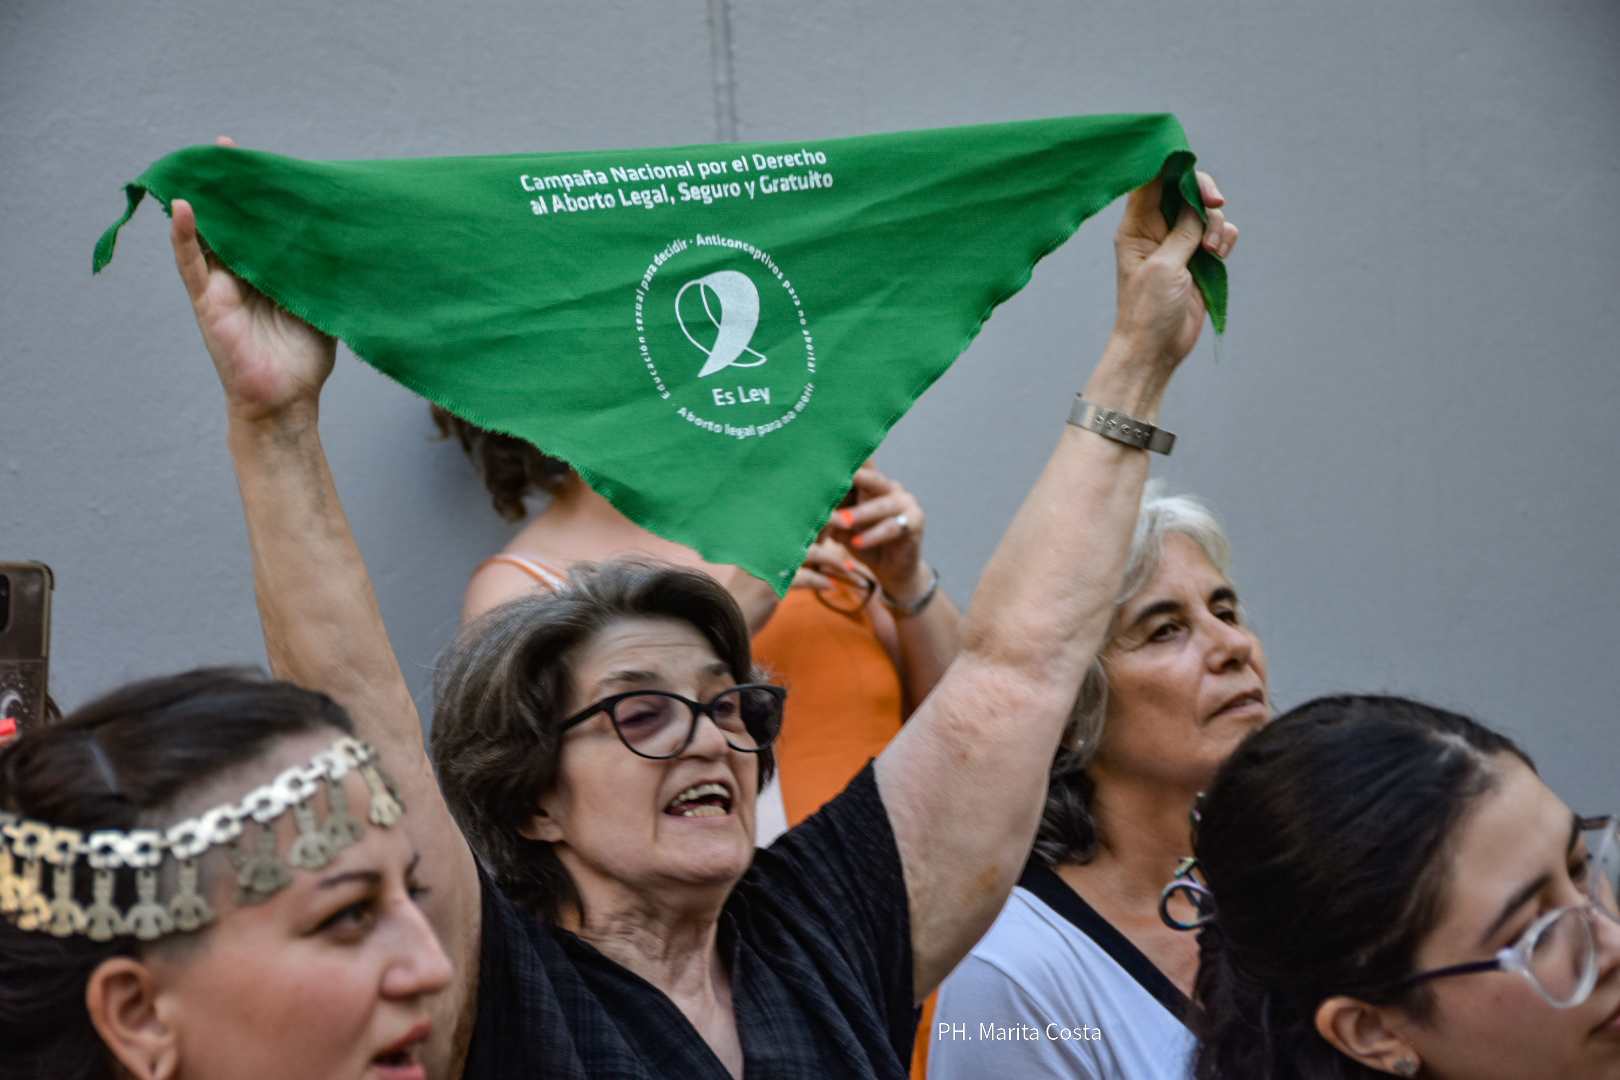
(1119, 427)
(900, 607)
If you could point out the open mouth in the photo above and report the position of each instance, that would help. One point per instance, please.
(399, 1061)
(396, 1060)
(701, 800)
(1243, 701)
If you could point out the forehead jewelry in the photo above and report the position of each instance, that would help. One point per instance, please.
(27, 847)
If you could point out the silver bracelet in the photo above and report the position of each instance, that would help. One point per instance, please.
(1121, 428)
(900, 607)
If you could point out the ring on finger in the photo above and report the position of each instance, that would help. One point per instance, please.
(903, 524)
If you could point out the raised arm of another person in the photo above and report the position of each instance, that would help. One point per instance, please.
(965, 780)
(914, 618)
(322, 626)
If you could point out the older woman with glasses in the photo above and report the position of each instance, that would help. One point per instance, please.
(1390, 888)
(863, 636)
(602, 749)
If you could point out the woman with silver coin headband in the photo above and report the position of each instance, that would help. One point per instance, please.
(163, 915)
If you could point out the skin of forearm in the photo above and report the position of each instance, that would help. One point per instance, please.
(322, 626)
(754, 598)
(1043, 604)
(928, 641)
(974, 754)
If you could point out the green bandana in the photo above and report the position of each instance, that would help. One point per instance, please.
(715, 337)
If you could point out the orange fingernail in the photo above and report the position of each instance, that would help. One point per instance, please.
(849, 564)
(849, 518)
(859, 541)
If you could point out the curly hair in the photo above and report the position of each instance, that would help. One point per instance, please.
(502, 690)
(1324, 841)
(512, 468)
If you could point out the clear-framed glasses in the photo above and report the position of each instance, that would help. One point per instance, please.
(659, 724)
(1558, 954)
(1602, 836)
(848, 595)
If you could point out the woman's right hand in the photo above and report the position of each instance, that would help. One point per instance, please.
(269, 361)
(1161, 310)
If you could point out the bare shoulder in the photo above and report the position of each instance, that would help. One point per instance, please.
(493, 584)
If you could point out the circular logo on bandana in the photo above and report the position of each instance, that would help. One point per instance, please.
(724, 336)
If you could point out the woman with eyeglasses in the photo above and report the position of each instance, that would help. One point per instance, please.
(1392, 890)
(602, 747)
(862, 637)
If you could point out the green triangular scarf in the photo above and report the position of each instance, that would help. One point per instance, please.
(714, 336)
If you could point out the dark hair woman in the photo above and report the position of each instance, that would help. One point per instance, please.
(627, 748)
(1395, 891)
(131, 947)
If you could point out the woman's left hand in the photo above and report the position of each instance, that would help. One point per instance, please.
(271, 363)
(884, 529)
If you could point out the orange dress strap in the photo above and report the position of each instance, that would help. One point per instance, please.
(544, 573)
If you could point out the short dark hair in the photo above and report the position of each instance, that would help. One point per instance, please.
(121, 762)
(512, 468)
(1324, 840)
(503, 688)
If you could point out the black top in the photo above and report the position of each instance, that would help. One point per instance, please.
(816, 936)
(1055, 893)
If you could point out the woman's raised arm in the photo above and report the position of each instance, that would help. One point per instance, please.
(965, 780)
(322, 627)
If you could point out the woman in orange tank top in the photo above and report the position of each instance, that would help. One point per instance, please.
(862, 637)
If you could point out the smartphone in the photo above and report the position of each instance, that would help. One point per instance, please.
(25, 645)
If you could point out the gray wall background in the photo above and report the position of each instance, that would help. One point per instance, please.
(1409, 433)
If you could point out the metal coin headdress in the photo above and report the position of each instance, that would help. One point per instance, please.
(260, 872)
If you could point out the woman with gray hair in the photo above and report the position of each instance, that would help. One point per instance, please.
(1080, 971)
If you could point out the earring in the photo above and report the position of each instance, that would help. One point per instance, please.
(1407, 1067)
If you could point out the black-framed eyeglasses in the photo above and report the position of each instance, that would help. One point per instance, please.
(1558, 955)
(659, 724)
(848, 596)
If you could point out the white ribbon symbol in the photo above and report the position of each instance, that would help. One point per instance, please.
(739, 315)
